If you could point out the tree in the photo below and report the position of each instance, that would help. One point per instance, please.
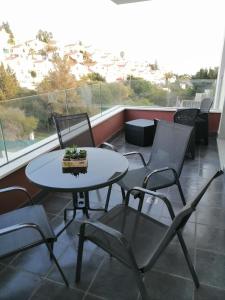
(16, 125)
(183, 77)
(43, 53)
(25, 92)
(176, 90)
(109, 94)
(87, 59)
(144, 92)
(167, 76)
(122, 54)
(50, 47)
(9, 86)
(154, 67)
(93, 77)
(8, 30)
(206, 73)
(60, 78)
(32, 52)
(44, 36)
(204, 79)
(33, 74)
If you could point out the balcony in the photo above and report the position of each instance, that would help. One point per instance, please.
(31, 275)
(26, 124)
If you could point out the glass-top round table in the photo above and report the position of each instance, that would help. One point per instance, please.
(105, 167)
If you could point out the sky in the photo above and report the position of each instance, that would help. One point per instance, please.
(182, 35)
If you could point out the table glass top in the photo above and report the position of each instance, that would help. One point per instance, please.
(104, 168)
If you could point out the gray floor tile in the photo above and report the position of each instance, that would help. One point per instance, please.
(92, 297)
(92, 257)
(54, 203)
(28, 259)
(210, 238)
(17, 284)
(114, 281)
(210, 268)
(214, 217)
(162, 286)
(209, 293)
(172, 261)
(213, 199)
(51, 290)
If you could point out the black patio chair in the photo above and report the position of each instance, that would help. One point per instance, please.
(202, 121)
(166, 160)
(188, 117)
(26, 227)
(136, 239)
(76, 130)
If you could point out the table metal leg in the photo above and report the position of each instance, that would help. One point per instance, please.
(84, 204)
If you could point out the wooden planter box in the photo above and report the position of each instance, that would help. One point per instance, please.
(75, 163)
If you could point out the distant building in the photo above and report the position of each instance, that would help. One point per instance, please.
(35, 57)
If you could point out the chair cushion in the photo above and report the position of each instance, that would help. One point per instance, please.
(136, 177)
(31, 214)
(141, 231)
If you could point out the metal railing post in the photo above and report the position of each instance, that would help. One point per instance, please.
(4, 144)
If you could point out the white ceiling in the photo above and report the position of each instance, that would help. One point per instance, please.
(127, 1)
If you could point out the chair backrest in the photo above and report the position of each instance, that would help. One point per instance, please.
(180, 221)
(206, 104)
(170, 145)
(186, 116)
(74, 130)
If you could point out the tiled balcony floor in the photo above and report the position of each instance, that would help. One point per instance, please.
(31, 275)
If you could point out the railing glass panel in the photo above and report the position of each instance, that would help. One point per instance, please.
(26, 123)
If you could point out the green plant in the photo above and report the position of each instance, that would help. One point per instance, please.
(82, 153)
(72, 153)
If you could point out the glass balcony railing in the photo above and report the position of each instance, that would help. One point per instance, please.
(26, 123)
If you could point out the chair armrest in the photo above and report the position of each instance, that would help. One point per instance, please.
(148, 176)
(105, 229)
(17, 188)
(155, 194)
(136, 153)
(18, 227)
(112, 147)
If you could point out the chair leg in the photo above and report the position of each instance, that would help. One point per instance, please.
(65, 215)
(87, 204)
(123, 193)
(141, 200)
(51, 245)
(139, 279)
(80, 255)
(107, 198)
(188, 259)
(75, 203)
(57, 264)
(181, 192)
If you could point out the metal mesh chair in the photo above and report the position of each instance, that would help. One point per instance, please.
(187, 117)
(205, 105)
(202, 122)
(165, 164)
(76, 130)
(25, 228)
(136, 239)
